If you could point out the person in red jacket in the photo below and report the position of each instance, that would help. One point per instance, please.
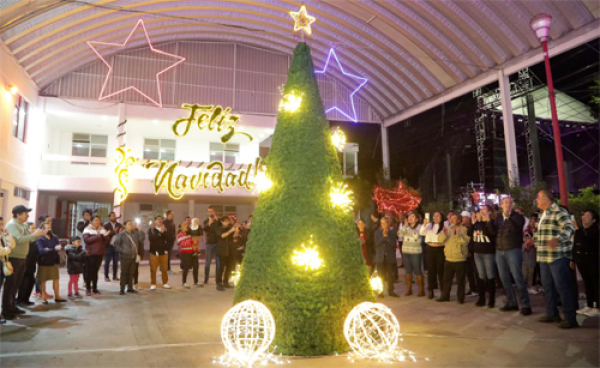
(187, 248)
(95, 237)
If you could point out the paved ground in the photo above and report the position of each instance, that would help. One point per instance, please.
(181, 328)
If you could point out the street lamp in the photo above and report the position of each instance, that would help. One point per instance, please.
(540, 24)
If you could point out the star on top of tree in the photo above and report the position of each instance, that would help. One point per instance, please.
(303, 20)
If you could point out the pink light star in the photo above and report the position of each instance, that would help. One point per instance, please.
(158, 103)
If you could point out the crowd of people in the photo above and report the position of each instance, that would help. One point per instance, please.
(31, 255)
(491, 248)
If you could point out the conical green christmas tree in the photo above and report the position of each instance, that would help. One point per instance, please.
(309, 306)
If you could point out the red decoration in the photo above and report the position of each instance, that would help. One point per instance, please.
(103, 96)
(401, 199)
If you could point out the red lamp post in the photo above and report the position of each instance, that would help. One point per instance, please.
(540, 24)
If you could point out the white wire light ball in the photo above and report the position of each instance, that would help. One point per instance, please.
(372, 331)
(247, 331)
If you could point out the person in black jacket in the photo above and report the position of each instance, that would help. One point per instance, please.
(226, 232)
(483, 235)
(171, 230)
(370, 243)
(141, 237)
(29, 278)
(385, 254)
(113, 227)
(159, 252)
(75, 254)
(509, 257)
(211, 239)
(587, 258)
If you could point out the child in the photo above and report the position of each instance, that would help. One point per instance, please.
(75, 254)
(186, 253)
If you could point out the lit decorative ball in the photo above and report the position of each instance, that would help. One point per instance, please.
(372, 331)
(247, 331)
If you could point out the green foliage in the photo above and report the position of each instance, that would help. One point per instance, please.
(363, 192)
(433, 206)
(524, 197)
(309, 307)
(596, 97)
(586, 200)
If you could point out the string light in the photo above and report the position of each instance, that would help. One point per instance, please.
(302, 20)
(342, 197)
(376, 283)
(307, 257)
(290, 102)
(398, 200)
(236, 275)
(92, 45)
(339, 139)
(261, 182)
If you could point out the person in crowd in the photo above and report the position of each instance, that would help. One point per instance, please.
(472, 278)
(361, 227)
(401, 220)
(456, 250)
(434, 252)
(371, 230)
(127, 244)
(211, 227)
(33, 245)
(141, 237)
(238, 246)
(554, 249)
(7, 243)
(529, 254)
(84, 222)
(587, 259)
(95, 237)
(29, 279)
(112, 227)
(509, 257)
(48, 261)
(447, 222)
(171, 230)
(412, 252)
(188, 221)
(187, 248)
(195, 229)
(75, 259)
(385, 254)
(483, 235)
(225, 232)
(18, 229)
(159, 252)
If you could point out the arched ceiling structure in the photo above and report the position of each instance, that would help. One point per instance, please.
(409, 50)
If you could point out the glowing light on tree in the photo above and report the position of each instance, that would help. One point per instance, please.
(290, 102)
(339, 139)
(307, 257)
(342, 197)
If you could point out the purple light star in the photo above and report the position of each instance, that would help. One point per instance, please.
(363, 82)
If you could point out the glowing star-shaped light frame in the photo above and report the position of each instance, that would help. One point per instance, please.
(110, 68)
(302, 20)
(363, 82)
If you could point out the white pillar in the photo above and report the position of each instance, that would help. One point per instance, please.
(191, 206)
(385, 151)
(512, 162)
(120, 131)
(51, 207)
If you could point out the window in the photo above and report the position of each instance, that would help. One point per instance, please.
(349, 160)
(159, 149)
(89, 145)
(20, 118)
(22, 193)
(221, 210)
(226, 153)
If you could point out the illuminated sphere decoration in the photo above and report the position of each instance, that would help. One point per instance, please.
(373, 332)
(247, 331)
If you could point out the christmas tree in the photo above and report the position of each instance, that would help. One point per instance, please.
(309, 297)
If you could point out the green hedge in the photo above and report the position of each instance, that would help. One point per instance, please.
(309, 307)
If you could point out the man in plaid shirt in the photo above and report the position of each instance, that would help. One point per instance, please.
(554, 247)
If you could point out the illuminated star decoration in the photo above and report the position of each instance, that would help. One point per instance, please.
(303, 20)
(158, 103)
(350, 114)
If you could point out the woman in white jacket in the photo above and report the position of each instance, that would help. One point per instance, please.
(412, 252)
(434, 253)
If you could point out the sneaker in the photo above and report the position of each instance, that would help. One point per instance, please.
(585, 310)
(508, 308)
(166, 286)
(106, 279)
(152, 287)
(220, 287)
(185, 286)
(170, 272)
(88, 293)
(549, 319)
(131, 290)
(69, 295)
(25, 304)
(526, 311)
(568, 324)
(116, 278)
(18, 311)
(122, 292)
(137, 287)
(97, 292)
(593, 312)
(77, 295)
(532, 291)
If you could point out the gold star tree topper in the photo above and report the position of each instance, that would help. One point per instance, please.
(303, 20)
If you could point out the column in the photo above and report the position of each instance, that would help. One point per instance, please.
(191, 207)
(385, 150)
(510, 142)
(120, 142)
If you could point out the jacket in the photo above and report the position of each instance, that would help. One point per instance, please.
(483, 235)
(109, 226)
(554, 223)
(141, 239)
(456, 245)
(223, 245)
(585, 246)
(510, 231)
(81, 225)
(158, 241)
(385, 247)
(211, 236)
(74, 259)
(431, 232)
(171, 231)
(20, 234)
(127, 244)
(47, 254)
(411, 243)
(95, 240)
(7, 243)
(185, 242)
